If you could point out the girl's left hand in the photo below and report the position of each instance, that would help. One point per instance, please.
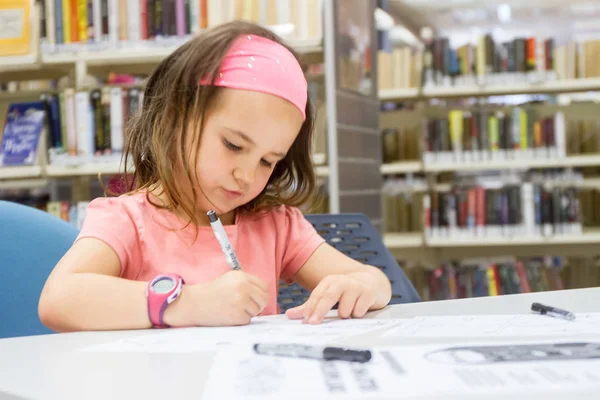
(355, 298)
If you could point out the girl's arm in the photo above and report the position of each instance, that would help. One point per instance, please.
(333, 277)
(84, 292)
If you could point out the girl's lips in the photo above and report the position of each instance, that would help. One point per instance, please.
(232, 193)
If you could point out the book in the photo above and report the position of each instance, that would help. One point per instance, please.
(24, 129)
(15, 31)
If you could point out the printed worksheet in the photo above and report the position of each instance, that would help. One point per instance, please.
(495, 326)
(187, 340)
(407, 371)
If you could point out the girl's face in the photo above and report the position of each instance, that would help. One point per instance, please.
(245, 134)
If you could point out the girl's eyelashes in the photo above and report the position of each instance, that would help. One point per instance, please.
(236, 149)
(231, 146)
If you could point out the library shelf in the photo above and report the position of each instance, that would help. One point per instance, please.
(12, 63)
(26, 183)
(542, 87)
(112, 168)
(24, 94)
(20, 172)
(319, 158)
(322, 170)
(399, 94)
(581, 160)
(143, 53)
(586, 237)
(57, 171)
(401, 167)
(393, 240)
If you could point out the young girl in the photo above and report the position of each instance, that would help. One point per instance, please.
(226, 125)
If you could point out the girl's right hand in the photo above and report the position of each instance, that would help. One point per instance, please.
(231, 299)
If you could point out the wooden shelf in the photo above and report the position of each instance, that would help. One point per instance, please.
(546, 87)
(26, 183)
(57, 171)
(143, 54)
(414, 247)
(569, 161)
(12, 63)
(403, 240)
(412, 240)
(402, 167)
(587, 237)
(322, 170)
(23, 94)
(20, 172)
(319, 158)
(399, 94)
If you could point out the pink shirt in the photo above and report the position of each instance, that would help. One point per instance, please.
(150, 241)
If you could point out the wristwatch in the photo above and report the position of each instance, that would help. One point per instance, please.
(160, 292)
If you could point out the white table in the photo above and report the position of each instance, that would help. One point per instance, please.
(49, 367)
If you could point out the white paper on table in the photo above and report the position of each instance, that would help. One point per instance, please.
(189, 340)
(410, 371)
(495, 326)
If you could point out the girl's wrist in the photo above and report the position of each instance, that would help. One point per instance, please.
(378, 282)
(180, 312)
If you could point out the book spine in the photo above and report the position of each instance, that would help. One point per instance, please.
(134, 21)
(106, 120)
(96, 100)
(66, 20)
(82, 21)
(144, 19)
(116, 120)
(70, 122)
(83, 118)
(195, 17)
(180, 18)
(90, 30)
(97, 16)
(151, 19)
(113, 22)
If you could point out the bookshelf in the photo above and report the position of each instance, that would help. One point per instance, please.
(91, 169)
(13, 63)
(414, 247)
(522, 163)
(457, 91)
(403, 167)
(8, 174)
(148, 54)
(591, 237)
(18, 184)
(24, 172)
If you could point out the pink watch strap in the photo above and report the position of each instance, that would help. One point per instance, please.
(158, 302)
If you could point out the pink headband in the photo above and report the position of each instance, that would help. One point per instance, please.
(259, 64)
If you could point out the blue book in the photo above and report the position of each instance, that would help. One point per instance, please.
(25, 123)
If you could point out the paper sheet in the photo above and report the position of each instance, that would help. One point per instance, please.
(495, 326)
(188, 340)
(408, 371)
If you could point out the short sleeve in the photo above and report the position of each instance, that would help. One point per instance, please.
(108, 219)
(301, 242)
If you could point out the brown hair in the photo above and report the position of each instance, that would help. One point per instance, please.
(174, 102)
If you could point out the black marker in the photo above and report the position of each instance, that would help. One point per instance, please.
(315, 352)
(552, 311)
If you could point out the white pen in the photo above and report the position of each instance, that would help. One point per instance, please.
(221, 236)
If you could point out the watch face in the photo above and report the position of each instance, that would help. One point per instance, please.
(163, 285)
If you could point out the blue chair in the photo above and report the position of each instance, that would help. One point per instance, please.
(31, 243)
(354, 235)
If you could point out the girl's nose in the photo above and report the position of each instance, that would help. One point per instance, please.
(244, 175)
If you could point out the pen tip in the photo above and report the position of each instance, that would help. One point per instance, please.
(212, 215)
